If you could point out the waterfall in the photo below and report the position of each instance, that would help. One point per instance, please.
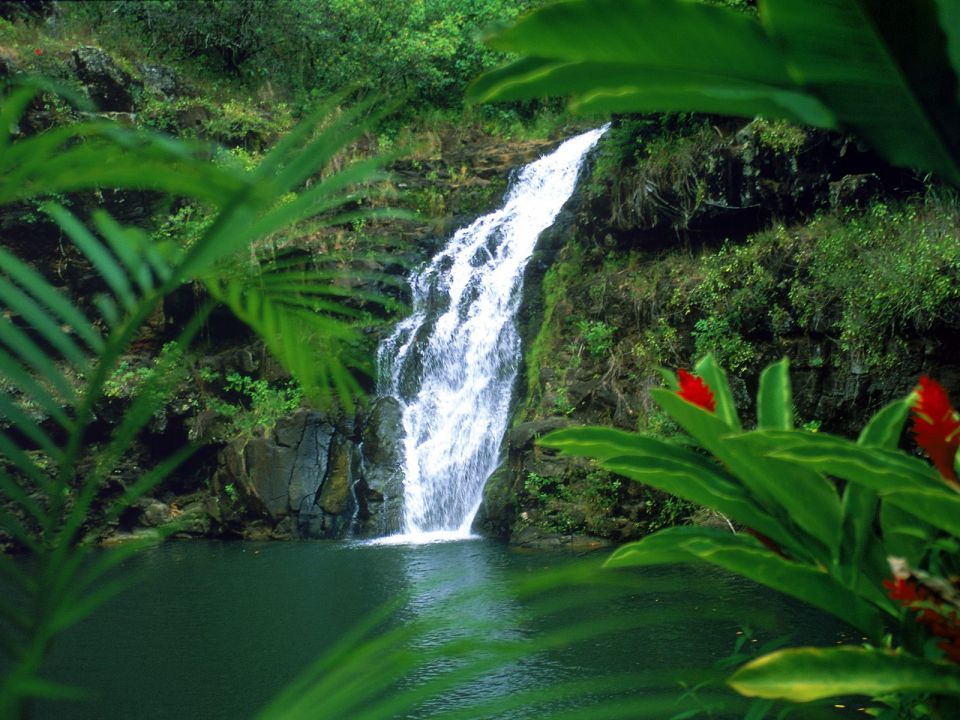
(452, 363)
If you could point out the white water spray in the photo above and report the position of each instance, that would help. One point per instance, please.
(453, 362)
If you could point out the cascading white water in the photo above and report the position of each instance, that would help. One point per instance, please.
(452, 363)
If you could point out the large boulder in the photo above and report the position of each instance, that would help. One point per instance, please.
(162, 80)
(299, 473)
(112, 89)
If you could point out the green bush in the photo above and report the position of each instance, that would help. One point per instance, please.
(260, 405)
(597, 336)
(870, 279)
(426, 50)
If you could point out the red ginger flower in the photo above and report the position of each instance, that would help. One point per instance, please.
(694, 390)
(940, 621)
(935, 426)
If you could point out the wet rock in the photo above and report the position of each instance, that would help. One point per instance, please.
(153, 512)
(288, 478)
(854, 191)
(335, 497)
(381, 461)
(110, 88)
(162, 80)
(499, 511)
(193, 520)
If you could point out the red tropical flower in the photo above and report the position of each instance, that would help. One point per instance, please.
(935, 426)
(941, 621)
(37, 51)
(694, 390)
(904, 590)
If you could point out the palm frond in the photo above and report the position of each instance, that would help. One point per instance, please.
(55, 359)
(889, 72)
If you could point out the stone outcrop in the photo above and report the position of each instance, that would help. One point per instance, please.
(301, 471)
(111, 88)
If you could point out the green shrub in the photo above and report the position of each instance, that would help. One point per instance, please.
(426, 50)
(260, 405)
(597, 336)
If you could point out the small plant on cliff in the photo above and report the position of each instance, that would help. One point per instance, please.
(597, 336)
(261, 405)
(162, 376)
(880, 552)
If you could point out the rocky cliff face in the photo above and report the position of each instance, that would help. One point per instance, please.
(717, 238)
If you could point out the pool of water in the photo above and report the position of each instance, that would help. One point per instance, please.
(215, 630)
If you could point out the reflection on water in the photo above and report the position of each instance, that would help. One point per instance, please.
(216, 630)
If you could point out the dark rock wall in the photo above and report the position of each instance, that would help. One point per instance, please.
(662, 207)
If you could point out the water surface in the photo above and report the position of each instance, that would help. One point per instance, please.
(214, 630)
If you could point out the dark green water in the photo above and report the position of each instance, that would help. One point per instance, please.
(215, 630)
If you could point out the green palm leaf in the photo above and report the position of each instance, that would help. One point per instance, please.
(886, 71)
(52, 355)
(883, 68)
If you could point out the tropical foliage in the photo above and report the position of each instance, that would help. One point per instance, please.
(58, 355)
(859, 529)
(426, 49)
(886, 71)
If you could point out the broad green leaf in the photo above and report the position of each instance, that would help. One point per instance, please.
(859, 510)
(705, 427)
(873, 467)
(747, 557)
(624, 87)
(644, 33)
(950, 22)
(941, 509)
(886, 426)
(670, 468)
(703, 488)
(883, 68)
(775, 398)
(709, 430)
(806, 674)
(903, 534)
(669, 378)
(648, 55)
(860, 503)
(716, 378)
(805, 495)
(602, 443)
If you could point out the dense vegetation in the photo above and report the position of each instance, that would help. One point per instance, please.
(696, 235)
(831, 545)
